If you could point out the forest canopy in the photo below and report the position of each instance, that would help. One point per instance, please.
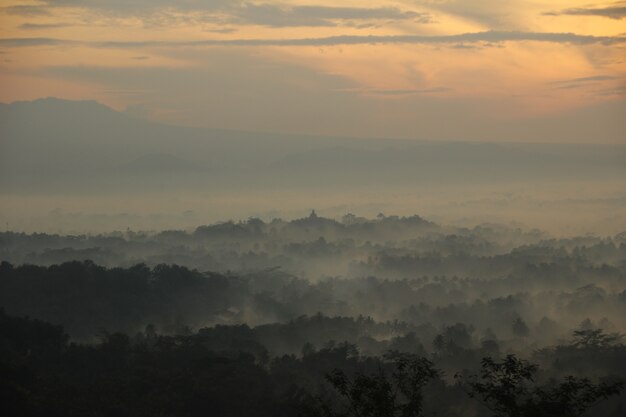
(315, 316)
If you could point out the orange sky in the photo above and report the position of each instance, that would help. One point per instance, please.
(448, 69)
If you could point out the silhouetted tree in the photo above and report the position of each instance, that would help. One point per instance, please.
(520, 329)
(385, 393)
(508, 389)
(595, 338)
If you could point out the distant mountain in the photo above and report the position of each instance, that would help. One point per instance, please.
(56, 113)
(69, 144)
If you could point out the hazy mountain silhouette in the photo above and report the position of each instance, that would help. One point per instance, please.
(78, 143)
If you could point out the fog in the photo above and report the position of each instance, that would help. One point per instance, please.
(321, 297)
(388, 268)
(309, 275)
(306, 208)
(561, 209)
(81, 167)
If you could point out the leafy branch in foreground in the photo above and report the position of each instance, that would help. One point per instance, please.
(386, 393)
(508, 389)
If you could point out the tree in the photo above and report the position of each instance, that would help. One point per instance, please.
(520, 329)
(595, 338)
(508, 389)
(385, 393)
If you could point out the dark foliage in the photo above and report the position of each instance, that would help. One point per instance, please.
(508, 389)
(212, 373)
(385, 393)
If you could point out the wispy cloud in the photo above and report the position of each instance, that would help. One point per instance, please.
(25, 10)
(581, 82)
(612, 12)
(25, 42)
(39, 26)
(277, 16)
(586, 79)
(475, 37)
(221, 30)
(238, 12)
(409, 92)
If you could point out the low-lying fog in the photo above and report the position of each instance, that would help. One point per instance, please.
(560, 209)
(81, 167)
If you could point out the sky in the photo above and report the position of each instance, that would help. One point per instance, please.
(492, 70)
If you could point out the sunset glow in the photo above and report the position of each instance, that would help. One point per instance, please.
(391, 65)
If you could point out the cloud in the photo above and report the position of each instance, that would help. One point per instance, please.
(24, 42)
(464, 38)
(145, 6)
(240, 90)
(463, 46)
(243, 12)
(38, 26)
(494, 14)
(581, 82)
(586, 79)
(221, 30)
(277, 16)
(480, 37)
(410, 91)
(613, 12)
(611, 92)
(23, 10)
(229, 89)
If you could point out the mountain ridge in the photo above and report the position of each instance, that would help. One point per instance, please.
(57, 141)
